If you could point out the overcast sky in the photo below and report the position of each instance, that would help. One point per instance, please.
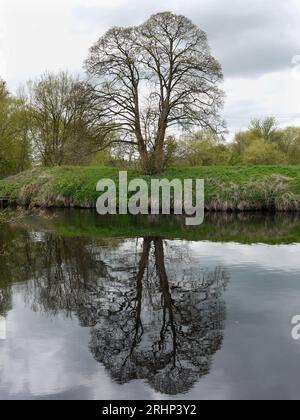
(256, 41)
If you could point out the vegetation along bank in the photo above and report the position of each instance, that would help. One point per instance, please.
(234, 188)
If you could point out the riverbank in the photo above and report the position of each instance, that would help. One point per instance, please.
(244, 188)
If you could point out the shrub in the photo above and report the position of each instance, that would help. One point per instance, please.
(261, 152)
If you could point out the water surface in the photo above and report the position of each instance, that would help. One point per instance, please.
(95, 308)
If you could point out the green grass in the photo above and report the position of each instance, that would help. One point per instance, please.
(226, 188)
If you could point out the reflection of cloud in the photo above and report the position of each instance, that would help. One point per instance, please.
(296, 60)
(2, 328)
(269, 257)
(35, 360)
(43, 358)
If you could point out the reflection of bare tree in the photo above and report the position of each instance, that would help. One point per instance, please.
(161, 330)
(153, 314)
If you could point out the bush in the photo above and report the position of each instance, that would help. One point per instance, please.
(203, 148)
(102, 158)
(261, 152)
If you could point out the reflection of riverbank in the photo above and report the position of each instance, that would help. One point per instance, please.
(217, 227)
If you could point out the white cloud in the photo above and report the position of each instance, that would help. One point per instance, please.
(255, 42)
(275, 94)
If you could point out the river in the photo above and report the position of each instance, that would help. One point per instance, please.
(98, 308)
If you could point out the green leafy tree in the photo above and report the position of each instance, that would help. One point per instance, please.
(262, 143)
(64, 127)
(15, 145)
(204, 147)
(290, 144)
(261, 152)
(170, 151)
(102, 158)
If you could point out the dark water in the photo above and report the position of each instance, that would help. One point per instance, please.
(84, 315)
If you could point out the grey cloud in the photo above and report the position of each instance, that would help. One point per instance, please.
(249, 38)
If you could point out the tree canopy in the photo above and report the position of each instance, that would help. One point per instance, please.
(15, 145)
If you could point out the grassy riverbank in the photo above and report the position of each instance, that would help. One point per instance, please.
(226, 188)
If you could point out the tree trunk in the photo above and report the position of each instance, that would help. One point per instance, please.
(158, 159)
(159, 155)
(152, 163)
(145, 163)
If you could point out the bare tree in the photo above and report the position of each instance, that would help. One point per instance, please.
(153, 76)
